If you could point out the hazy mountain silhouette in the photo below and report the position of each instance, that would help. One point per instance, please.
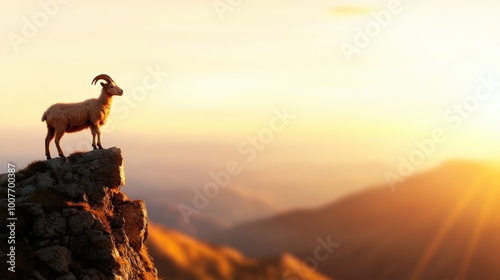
(179, 257)
(436, 225)
(229, 208)
(167, 213)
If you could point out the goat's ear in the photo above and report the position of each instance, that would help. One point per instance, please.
(103, 84)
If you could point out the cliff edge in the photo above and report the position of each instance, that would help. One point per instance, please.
(68, 219)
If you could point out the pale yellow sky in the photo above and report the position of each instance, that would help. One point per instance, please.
(226, 76)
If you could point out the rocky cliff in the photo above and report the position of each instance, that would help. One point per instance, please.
(71, 221)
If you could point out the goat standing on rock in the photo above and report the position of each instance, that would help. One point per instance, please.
(73, 117)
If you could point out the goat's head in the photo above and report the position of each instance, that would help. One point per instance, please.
(110, 87)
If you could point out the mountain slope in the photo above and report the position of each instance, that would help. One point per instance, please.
(436, 225)
(167, 213)
(179, 257)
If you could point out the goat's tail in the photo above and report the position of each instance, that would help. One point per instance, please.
(44, 117)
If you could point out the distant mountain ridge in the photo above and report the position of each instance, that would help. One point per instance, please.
(179, 257)
(436, 225)
(229, 208)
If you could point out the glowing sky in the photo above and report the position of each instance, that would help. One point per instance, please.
(227, 76)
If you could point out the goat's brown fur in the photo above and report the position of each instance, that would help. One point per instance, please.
(72, 117)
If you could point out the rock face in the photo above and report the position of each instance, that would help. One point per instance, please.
(74, 223)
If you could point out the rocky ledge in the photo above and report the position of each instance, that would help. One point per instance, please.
(73, 222)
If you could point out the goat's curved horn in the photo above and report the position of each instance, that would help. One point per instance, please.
(102, 77)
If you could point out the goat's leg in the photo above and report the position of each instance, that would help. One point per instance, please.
(59, 134)
(50, 136)
(93, 129)
(98, 129)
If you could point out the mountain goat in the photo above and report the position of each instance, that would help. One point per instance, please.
(73, 117)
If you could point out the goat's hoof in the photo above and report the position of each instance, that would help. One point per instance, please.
(49, 157)
(100, 148)
(62, 156)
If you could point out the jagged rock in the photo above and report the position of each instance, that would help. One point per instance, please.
(120, 236)
(68, 276)
(27, 190)
(44, 180)
(100, 249)
(93, 232)
(78, 244)
(37, 275)
(120, 198)
(43, 243)
(136, 222)
(51, 226)
(75, 223)
(72, 191)
(58, 223)
(105, 167)
(68, 212)
(65, 241)
(80, 222)
(93, 274)
(56, 257)
(117, 222)
(35, 209)
(99, 225)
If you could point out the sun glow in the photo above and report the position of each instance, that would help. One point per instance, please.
(227, 77)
